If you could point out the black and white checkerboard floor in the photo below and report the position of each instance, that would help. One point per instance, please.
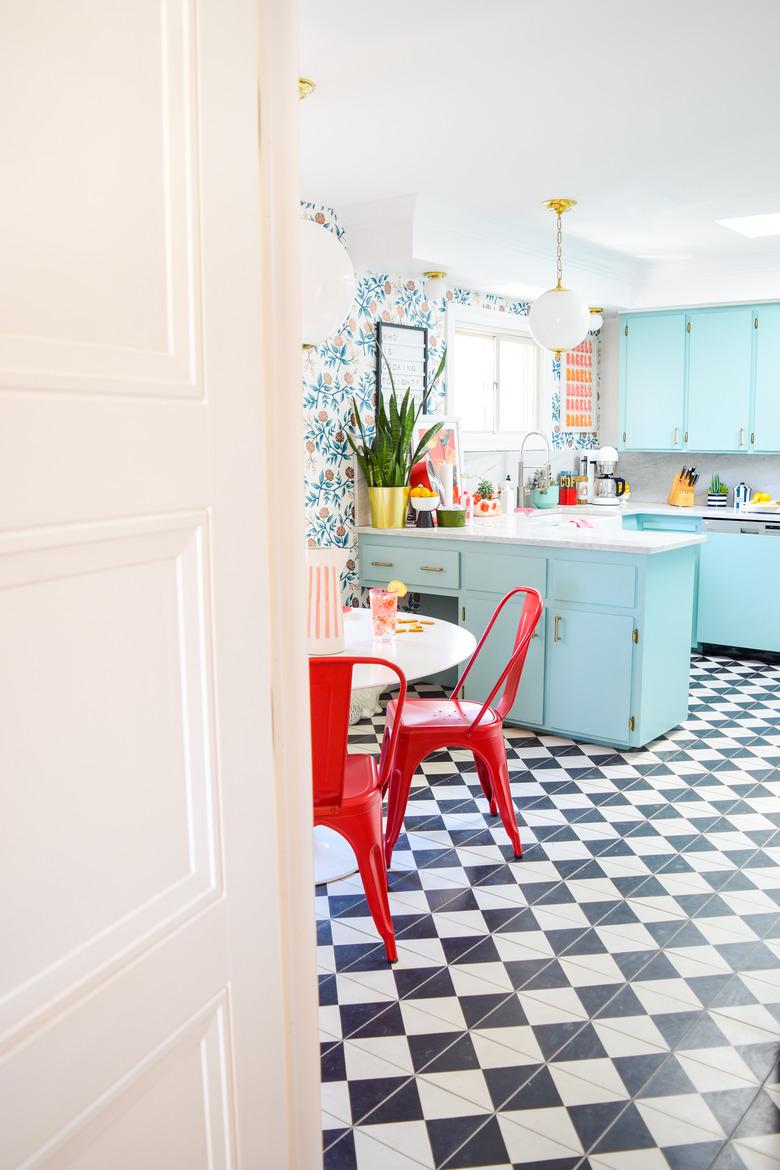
(609, 1002)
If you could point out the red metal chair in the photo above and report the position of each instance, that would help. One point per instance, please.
(428, 725)
(348, 788)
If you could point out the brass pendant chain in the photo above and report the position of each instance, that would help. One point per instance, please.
(559, 251)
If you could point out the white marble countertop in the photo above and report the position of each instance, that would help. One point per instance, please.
(653, 508)
(541, 530)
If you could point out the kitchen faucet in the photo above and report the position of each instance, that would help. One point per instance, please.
(521, 467)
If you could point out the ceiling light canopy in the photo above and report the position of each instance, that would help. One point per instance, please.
(559, 319)
(435, 285)
(754, 226)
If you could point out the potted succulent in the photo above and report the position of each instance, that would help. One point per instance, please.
(544, 493)
(718, 495)
(386, 460)
(486, 499)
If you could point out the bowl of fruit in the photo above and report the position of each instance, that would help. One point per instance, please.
(424, 501)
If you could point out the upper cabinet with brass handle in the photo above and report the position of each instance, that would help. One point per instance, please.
(653, 382)
(701, 380)
(766, 398)
(557, 630)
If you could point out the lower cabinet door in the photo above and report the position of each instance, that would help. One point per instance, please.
(529, 704)
(738, 578)
(589, 664)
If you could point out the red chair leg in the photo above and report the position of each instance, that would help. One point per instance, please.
(398, 793)
(484, 779)
(382, 754)
(494, 754)
(364, 834)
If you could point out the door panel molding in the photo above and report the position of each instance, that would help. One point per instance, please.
(126, 177)
(106, 575)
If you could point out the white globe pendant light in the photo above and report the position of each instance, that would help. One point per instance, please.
(327, 283)
(559, 319)
(596, 319)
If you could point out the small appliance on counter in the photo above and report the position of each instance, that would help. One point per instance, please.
(604, 487)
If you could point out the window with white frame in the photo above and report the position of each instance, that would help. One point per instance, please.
(493, 383)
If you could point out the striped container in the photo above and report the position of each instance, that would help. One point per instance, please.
(325, 620)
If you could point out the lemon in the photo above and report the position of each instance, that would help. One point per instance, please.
(397, 587)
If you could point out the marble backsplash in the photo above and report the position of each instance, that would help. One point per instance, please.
(650, 475)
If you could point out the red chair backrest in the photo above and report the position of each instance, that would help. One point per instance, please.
(510, 675)
(330, 687)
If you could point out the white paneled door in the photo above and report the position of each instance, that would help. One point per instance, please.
(142, 1002)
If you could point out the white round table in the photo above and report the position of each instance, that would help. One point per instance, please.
(438, 647)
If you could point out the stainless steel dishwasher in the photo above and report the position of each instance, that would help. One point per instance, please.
(742, 526)
(739, 581)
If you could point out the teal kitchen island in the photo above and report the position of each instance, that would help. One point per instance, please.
(610, 660)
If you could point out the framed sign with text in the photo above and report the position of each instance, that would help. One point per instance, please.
(578, 389)
(406, 349)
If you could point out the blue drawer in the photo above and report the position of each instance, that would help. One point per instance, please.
(420, 568)
(666, 522)
(592, 583)
(493, 573)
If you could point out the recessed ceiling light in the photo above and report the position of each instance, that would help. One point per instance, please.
(754, 226)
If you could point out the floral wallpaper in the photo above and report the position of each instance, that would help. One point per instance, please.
(344, 366)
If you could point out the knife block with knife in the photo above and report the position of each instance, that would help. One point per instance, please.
(681, 493)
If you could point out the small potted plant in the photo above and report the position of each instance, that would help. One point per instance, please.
(718, 495)
(544, 493)
(486, 499)
(386, 460)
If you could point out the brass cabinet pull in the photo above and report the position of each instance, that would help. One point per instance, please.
(686, 436)
(752, 436)
(675, 440)
(557, 631)
(431, 568)
(535, 634)
(742, 436)
(382, 564)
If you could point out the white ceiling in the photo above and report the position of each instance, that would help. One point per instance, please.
(658, 117)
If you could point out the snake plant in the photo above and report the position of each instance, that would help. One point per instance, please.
(387, 459)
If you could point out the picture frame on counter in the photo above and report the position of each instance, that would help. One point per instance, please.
(405, 349)
(444, 451)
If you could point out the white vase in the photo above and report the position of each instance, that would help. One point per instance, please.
(324, 620)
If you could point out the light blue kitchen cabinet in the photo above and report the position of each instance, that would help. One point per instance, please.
(613, 668)
(719, 379)
(476, 612)
(738, 603)
(653, 382)
(589, 663)
(713, 387)
(766, 417)
(666, 522)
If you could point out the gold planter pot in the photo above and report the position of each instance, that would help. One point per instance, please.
(389, 506)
